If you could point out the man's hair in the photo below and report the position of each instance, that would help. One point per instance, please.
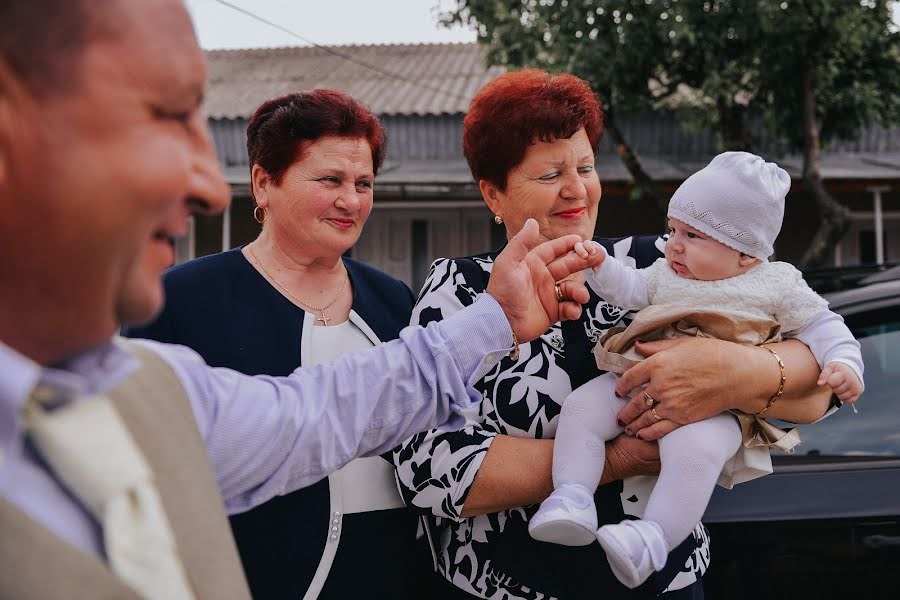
(42, 40)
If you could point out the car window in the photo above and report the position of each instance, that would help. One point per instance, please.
(875, 431)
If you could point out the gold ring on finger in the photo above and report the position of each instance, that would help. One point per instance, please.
(655, 416)
(559, 294)
(649, 401)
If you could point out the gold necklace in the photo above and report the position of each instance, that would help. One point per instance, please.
(319, 309)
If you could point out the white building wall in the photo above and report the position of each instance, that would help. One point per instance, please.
(403, 239)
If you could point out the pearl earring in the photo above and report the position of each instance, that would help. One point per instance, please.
(498, 219)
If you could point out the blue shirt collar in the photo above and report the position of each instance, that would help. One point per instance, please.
(94, 371)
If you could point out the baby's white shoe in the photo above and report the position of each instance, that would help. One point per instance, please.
(634, 549)
(568, 517)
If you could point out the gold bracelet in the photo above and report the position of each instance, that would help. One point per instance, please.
(780, 383)
(514, 353)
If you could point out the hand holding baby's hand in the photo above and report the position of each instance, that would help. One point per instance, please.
(842, 380)
(590, 248)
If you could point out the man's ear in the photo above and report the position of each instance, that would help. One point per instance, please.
(490, 194)
(7, 94)
(17, 109)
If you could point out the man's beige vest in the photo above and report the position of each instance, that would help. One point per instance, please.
(36, 564)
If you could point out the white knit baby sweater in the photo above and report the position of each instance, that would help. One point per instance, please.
(774, 290)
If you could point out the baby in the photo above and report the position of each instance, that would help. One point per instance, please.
(714, 281)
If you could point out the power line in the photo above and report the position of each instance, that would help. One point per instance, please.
(341, 55)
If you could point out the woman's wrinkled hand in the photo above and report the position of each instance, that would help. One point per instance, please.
(681, 381)
(630, 457)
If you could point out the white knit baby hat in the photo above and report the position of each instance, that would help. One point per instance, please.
(737, 199)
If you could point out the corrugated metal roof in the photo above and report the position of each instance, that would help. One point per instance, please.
(392, 79)
(426, 91)
(654, 137)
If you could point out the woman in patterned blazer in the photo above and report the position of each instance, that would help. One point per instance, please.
(530, 139)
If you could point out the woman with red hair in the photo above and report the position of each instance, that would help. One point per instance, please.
(530, 139)
(287, 299)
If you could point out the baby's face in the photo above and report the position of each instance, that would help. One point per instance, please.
(695, 255)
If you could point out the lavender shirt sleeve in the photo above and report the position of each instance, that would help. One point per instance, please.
(268, 436)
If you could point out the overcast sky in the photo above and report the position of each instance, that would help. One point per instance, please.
(323, 22)
(329, 22)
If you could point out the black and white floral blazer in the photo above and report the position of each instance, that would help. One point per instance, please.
(492, 556)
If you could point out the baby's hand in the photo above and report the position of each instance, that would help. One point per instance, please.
(590, 248)
(842, 381)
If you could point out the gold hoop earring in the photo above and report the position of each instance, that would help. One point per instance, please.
(498, 219)
(259, 214)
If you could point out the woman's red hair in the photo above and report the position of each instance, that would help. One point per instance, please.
(517, 109)
(281, 128)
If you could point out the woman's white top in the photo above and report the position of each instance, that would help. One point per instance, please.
(362, 485)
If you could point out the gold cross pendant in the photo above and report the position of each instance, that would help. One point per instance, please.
(324, 318)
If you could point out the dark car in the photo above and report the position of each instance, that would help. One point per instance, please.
(826, 523)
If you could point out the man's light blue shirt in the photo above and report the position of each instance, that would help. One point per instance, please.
(266, 436)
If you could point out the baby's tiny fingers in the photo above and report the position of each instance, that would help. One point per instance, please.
(836, 380)
(826, 373)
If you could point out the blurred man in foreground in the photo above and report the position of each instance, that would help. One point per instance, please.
(115, 456)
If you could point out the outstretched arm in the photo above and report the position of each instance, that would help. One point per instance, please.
(267, 436)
